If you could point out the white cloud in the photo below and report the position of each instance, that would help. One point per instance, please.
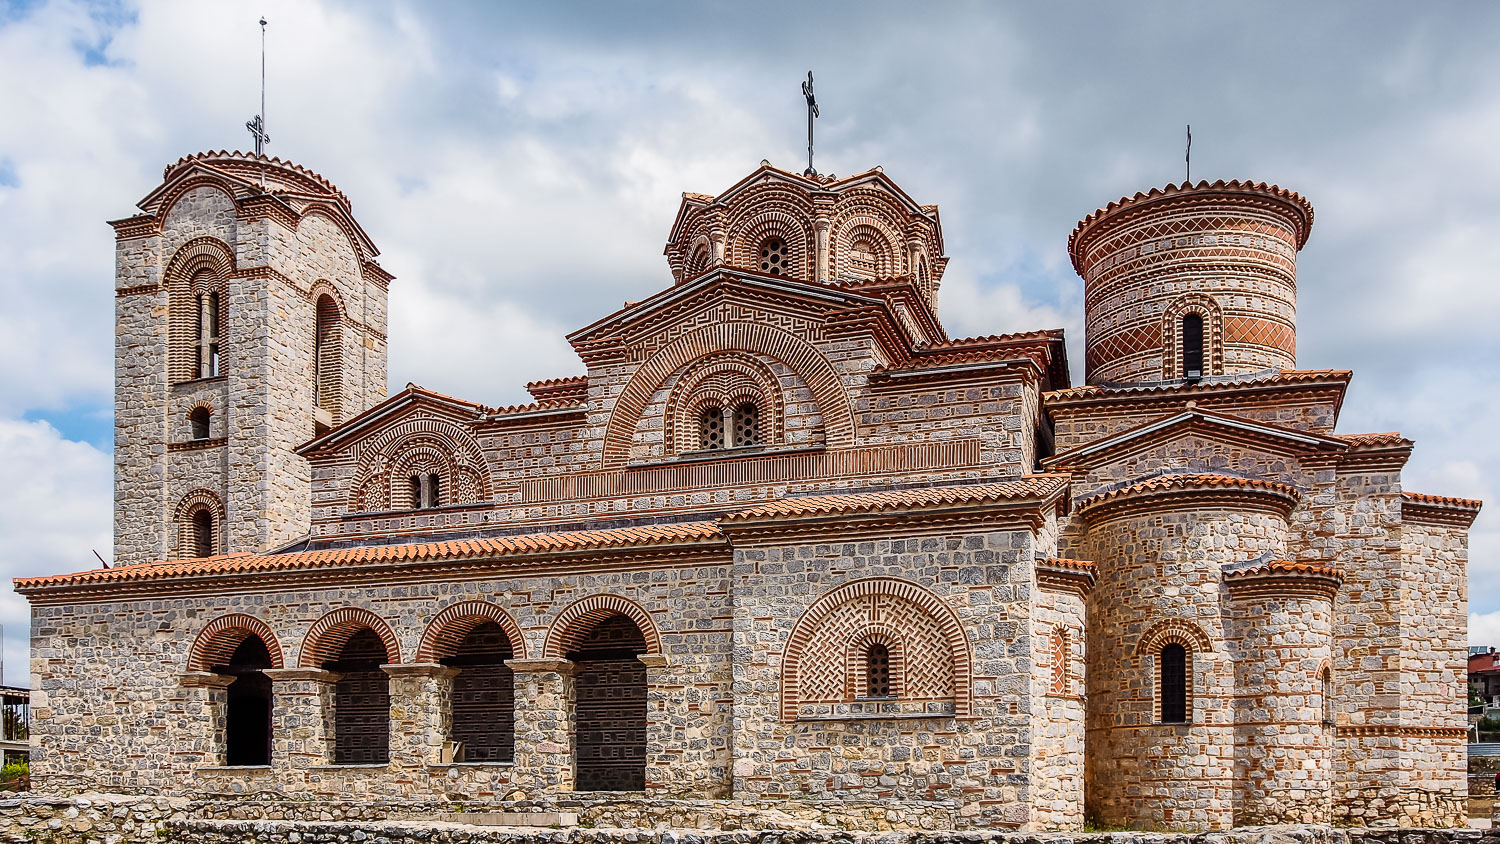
(1484, 629)
(54, 513)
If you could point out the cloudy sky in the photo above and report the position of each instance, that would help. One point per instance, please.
(520, 165)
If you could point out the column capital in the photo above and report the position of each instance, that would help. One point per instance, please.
(420, 669)
(293, 675)
(535, 666)
(204, 680)
(653, 660)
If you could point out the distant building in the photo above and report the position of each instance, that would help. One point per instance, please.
(786, 539)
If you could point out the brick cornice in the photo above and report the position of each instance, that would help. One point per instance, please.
(1190, 492)
(1075, 577)
(137, 289)
(197, 445)
(1403, 731)
(1439, 511)
(141, 225)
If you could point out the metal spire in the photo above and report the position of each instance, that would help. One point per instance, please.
(257, 126)
(1189, 157)
(812, 111)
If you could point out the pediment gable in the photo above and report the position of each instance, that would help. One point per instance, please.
(411, 403)
(1214, 427)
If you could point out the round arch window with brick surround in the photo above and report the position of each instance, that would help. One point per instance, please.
(877, 635)
(730, 400)
(1168, 650)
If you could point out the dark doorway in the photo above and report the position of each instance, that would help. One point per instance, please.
(362, 702)
(247, 727)
(484, 696)
(611, 708)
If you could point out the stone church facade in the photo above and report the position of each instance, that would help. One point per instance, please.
(786, 540)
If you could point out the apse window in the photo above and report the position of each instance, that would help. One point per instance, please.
(773, 258)
(878, 671)
(1173, 684)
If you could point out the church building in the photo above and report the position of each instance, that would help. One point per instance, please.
(786, 542)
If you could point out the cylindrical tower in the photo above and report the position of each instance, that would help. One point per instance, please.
(1161, 686)
(1191, 281)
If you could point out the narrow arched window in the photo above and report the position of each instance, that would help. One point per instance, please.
(416, 492)
(773, 257)
(1173, 684)
(208, 335)
(327, 357)
(711, 428)
(877, 671)
(198, 419)
(1327, 686)
(247, 723)
(1192, 346)
(203, 533)
(434, 490)
(746, 425)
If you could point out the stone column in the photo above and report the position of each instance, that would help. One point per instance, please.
(720, 241)
(421, 712)
(821, 226)
(205, 702)
(301, 717)
(544, 725)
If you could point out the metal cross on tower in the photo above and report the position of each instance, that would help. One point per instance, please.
(812, 111)
(257, 126)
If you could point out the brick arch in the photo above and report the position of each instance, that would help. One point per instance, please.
(795, 353)
(375, 484)
(328, 635)
(855, 658)
(889, 262)
(1208, 308)
(703, 381)
(1183, 632)
(333, 215)
(449, 627)
(947, 622)
(182, 519)
(199, 257)
(218, 640)
(583, 615)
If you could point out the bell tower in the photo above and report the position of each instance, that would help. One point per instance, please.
(250, 315)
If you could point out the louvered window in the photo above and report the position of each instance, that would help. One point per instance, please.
(208, 335)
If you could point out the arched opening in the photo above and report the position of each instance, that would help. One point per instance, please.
(878, 670)
(327, 359)
(483, 707)
(361, 702)
(711, 428)
(198, 419)
(699, 260)
(864, 256)
(773, 257)
(746, 430)
(247, 723)
(202, 533)
(610, 707)
(1326, 684)
(209, 325)
(1192, 346)
(1173, 684)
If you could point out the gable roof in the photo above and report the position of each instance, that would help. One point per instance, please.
(1198, 420)
(392, 407)
(1295, 383)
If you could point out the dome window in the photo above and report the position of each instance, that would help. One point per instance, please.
(773, 257)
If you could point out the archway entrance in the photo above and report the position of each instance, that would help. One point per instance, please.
(483, 708)
(247, 727)
(362, 702)
(610, 709)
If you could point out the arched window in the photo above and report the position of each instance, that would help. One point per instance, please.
(209, 324)
(877, 670)
(434, 490)
(327, 357)
(483, 703)
(198, 418)
(362, 702)
(426, 490)
(201, 533)
(773, 257)
(247, 727)
(746, 430)
(1192, 346)
(1173, 685)
(1326, 683)
(711, 428)
(864, 256)
(698, 262)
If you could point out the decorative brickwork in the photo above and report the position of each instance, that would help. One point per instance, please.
(218, 639)
(328, 634)
(448, 628)
(580, 618)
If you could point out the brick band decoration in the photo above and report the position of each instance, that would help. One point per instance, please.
(813, 660)
(574, 624)
(447, 630)
(328, 635)
(218, 640)
(187, 527)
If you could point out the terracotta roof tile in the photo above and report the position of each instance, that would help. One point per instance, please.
(534, 407)
(429, 552)
(997, 339)
(1185, 481)
(1085, 566)
(1031, 486)
(1442, 501)
(1291, 567)
(1385, 439)
(249, 158)
(1295, 376)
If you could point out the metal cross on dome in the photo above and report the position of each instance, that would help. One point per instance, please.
(257, 126)
(812, 111)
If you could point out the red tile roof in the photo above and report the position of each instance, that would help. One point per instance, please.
(1029, 487)
(1387, 439)
(429, 552)
(1289, 567)
(1287, 377)
(1188, 481)
(1071, 565)
(239, 160)
(1442, 501)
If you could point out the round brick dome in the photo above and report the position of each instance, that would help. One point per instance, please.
(1191, 281)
